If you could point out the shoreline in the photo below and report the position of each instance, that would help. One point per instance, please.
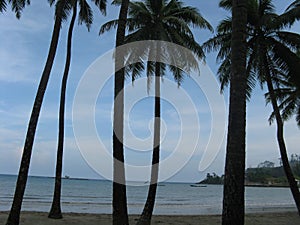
(160, 210)
(247, 185)
(276, 218)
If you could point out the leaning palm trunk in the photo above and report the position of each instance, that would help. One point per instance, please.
(282, 148)
(146, 216)
(14, 215)
(234, 189)
(120, 214)
(55, 212)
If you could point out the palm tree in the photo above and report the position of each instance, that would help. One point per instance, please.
(280, 139)
(270, 55)
(55, 211)
(234, 189)
(14, 215)
(120, 213)
(164, 21)
(86, 16)
(17, 6)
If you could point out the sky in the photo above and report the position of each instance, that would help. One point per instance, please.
(194, 116)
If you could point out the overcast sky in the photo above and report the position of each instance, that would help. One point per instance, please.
(23, 50)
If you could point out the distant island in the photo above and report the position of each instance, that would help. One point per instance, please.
(264, 175)
(212, 179)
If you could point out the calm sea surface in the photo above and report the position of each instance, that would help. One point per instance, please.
(94, 196)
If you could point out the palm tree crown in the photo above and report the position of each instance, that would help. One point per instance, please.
(270, 47)
(163, 20)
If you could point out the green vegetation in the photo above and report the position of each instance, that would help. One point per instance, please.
(264, 174)
(212, 179)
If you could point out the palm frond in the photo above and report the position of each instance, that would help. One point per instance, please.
(116, 2)
(101, 4)
(217, 42)
(298, 115)
(290, 39)
(192, 17)
(285, 58)
(224, 73)
(85, 14)
(66, 6)
(51, 2)
(178, 74)
(134, 70)
(224, 26)
(178, 24)
(3, 5)
(289, 99)
(108, 26)
(291, 15)
(266, 7)
(293, 5)
(17, 6)
(226, 4)
(150, 70)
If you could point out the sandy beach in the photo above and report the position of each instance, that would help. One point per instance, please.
(40, 218)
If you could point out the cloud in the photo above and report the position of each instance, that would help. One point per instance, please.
(16, 35)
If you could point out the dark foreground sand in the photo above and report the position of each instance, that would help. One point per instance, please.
(38, 218)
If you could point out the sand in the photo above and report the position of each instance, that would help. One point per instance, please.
(40, 218)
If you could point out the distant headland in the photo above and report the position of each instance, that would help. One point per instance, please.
(264, 175)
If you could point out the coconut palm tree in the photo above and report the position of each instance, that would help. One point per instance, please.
(16, 5)
(85, 16)
(162, 21)
(14, 215)
(234, 190)
(55, 211)
(120, 213)
(270, 56)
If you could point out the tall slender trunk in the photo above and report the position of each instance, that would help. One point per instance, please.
(234, 189)
(146, 216)
(14, 215)
(282, 147)
(55, 211)
(120, 214)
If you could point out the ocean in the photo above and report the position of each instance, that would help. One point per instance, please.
(95, 196)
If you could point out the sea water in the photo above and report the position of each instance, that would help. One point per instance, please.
(95, 196)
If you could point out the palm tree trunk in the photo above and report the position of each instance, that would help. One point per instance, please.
(55, 212)
(234, 189)
(120, 214)
(146, 216)
(282, 147)
(14, 215)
